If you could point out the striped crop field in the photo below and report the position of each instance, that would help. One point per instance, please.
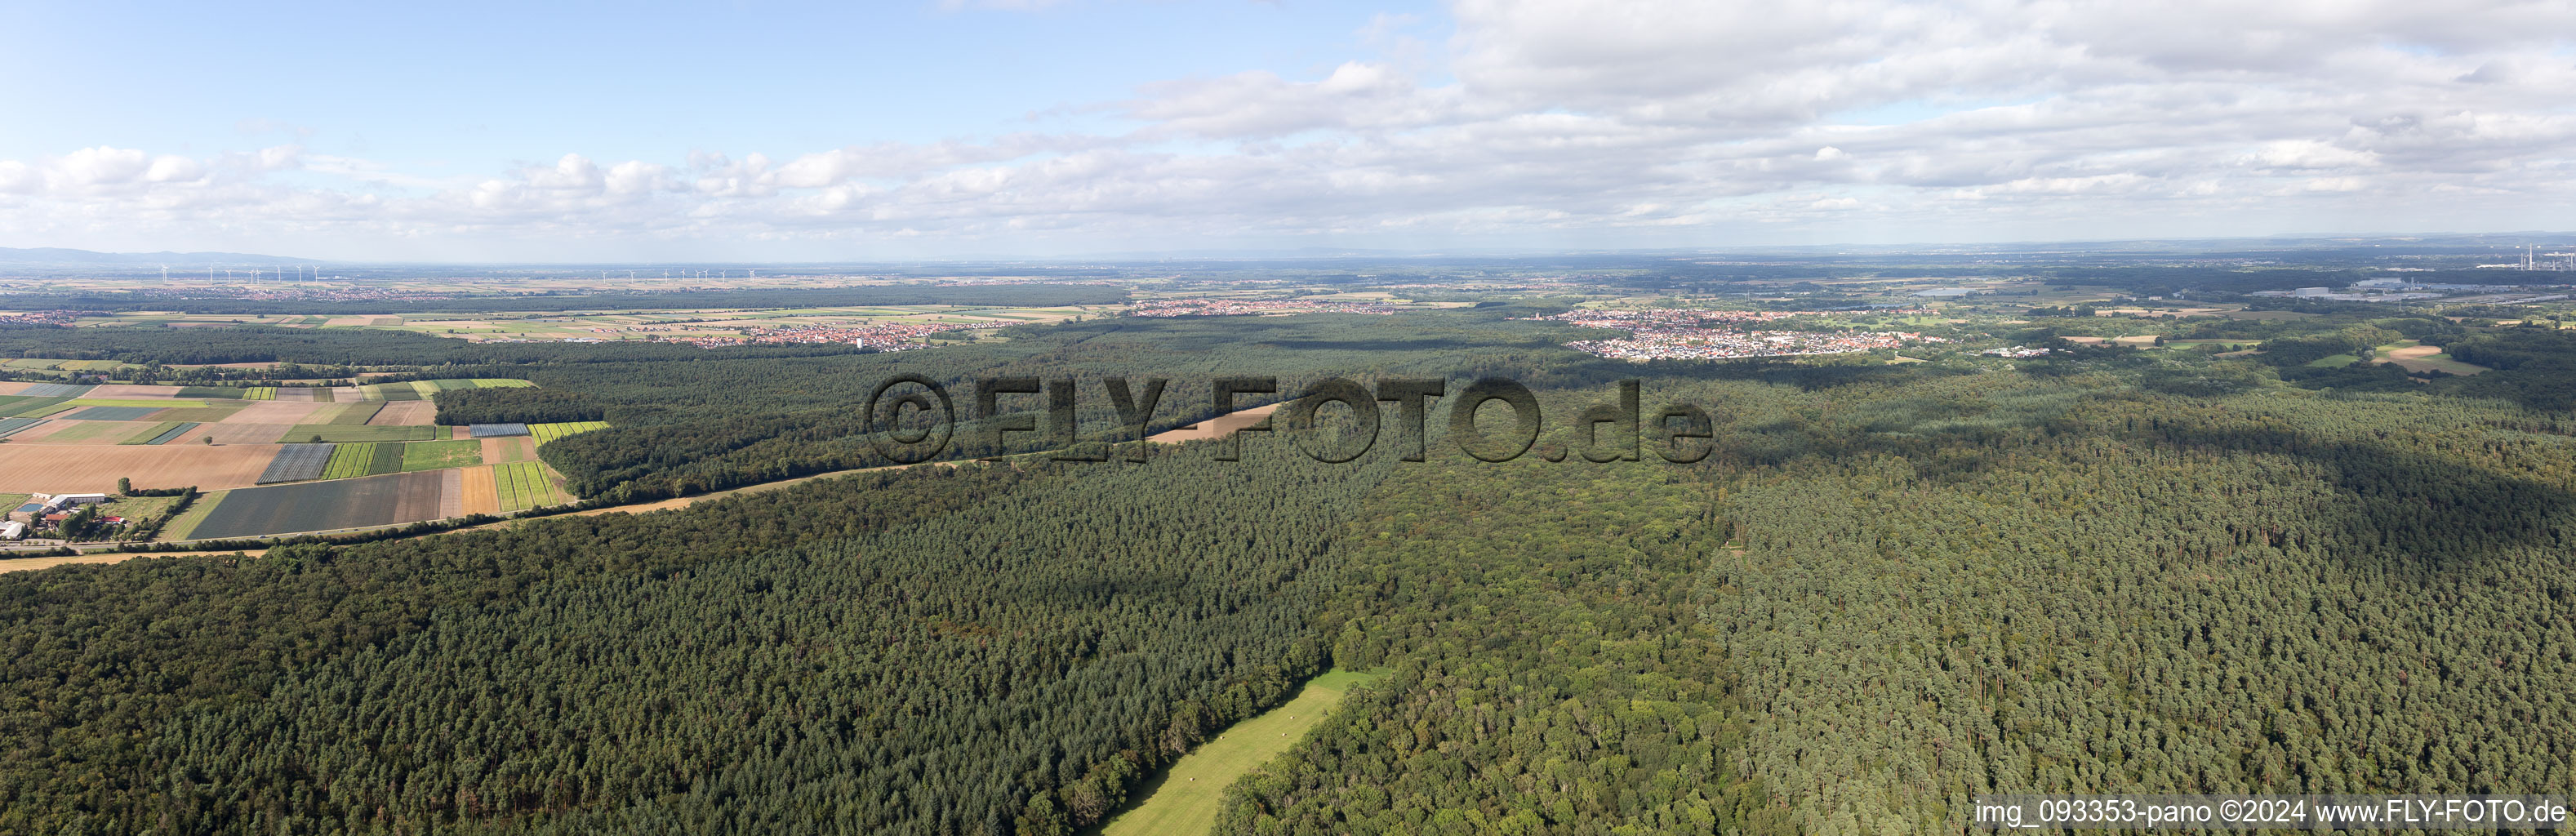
(349, 461)
(174, 433)
(499, 383)
(523, 485)
(550, 432)
(260, 393)
(157, 432)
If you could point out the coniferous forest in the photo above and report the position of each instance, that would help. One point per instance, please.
(1887, 589)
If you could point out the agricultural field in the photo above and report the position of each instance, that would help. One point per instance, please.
(91, 432)
(363, 412)
(549, 432)
(508, 449)
(297, 463)
(2416, 357)
(94, 468)
(524, 485)
(401, 413)
(13, 426)
(350, 461)
(325, 506)
(183, 526)
(436, 455)
(336, 433)
(1186, 798)
(158, 433)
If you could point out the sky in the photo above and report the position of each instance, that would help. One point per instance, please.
(778, 131)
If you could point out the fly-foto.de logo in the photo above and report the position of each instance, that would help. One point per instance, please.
(912, 419)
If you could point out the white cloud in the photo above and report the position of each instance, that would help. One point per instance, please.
(1679, 120)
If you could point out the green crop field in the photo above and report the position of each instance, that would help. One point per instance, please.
(499, 383)
(549, 432)
(434, 455)
(522, 485)
(1184, 802)
(350, 461)
(260, 393)
(182, 526)
(346, 434)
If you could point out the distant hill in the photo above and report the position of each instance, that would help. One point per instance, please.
(60, 255)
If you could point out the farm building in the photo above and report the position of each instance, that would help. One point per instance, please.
(71, 500)
(12, 530)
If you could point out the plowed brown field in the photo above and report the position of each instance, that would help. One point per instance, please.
(94, 468)
(275, 412)
(517, 448)
(236, 433)
(405, 414)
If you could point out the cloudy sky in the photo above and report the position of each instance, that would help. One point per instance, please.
(757, 130)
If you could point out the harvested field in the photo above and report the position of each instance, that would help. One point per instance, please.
(237, 433)
(513, 449)
(451, 493)
(35, 431)
(353, 413)
(208, 415)
(1217, 427)
(112, 413)
(479, 493)
(297, 462)
(305, 433)
(2425, 358)
(11, 387)
(325, 506)
(436, 455)
(120, 390)
(345, 394)
(403, 414)
(59, 468)
(276, 412)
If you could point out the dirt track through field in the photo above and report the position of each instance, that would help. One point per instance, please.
(405, 413)
(94, 468)
(27, 563)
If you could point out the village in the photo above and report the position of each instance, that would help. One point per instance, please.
(1684, 334)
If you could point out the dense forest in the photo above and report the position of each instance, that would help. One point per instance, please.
(1890, 588)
